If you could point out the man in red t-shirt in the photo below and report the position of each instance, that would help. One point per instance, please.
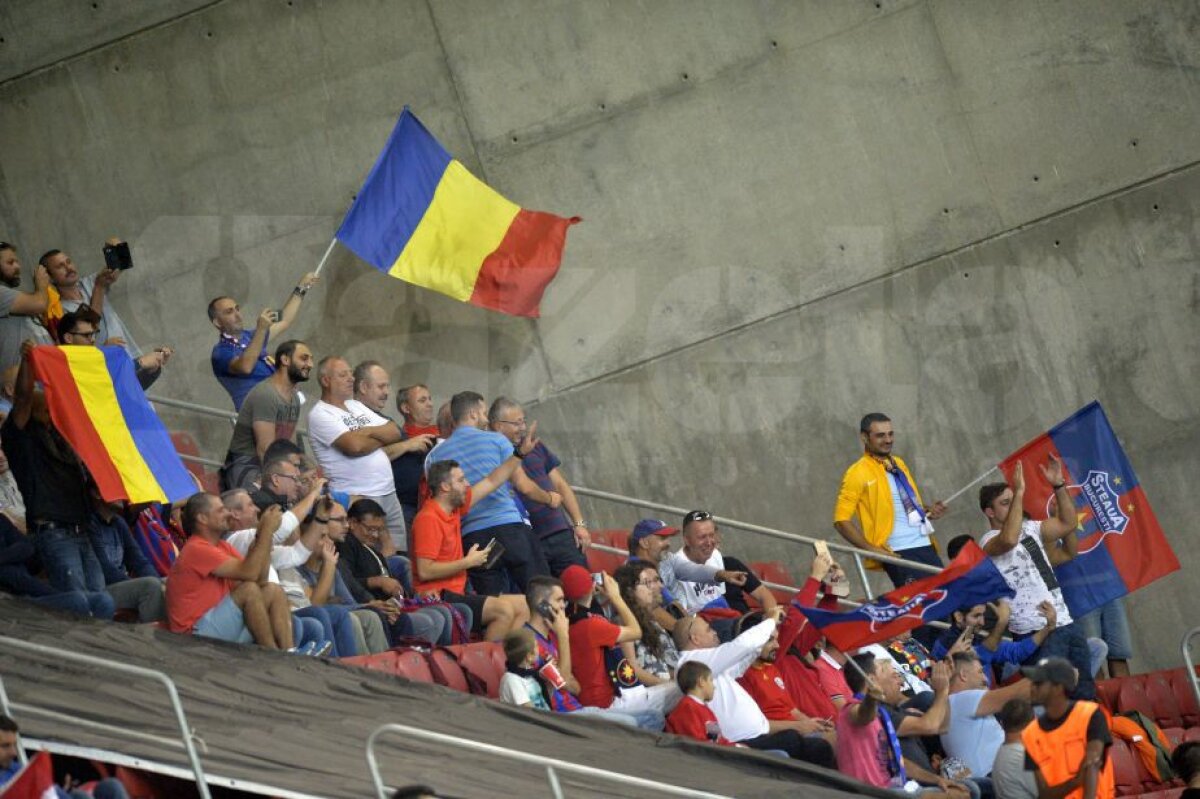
(435, 544)
(606, 679)
(765, 683)
(213, 592)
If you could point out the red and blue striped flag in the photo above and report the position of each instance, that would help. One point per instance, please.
(970, 579)
(1121, 546)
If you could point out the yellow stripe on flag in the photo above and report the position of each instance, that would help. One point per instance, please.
(463, 225)
(100, 403)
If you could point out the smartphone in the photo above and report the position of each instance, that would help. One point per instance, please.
(545, 611)
(821, 548)
(116, 256)
(495, 551)
(598, 580)
(325, 490)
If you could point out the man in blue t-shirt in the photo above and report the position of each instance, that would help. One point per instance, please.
(239, 358)
(559, 525)
(497, 516)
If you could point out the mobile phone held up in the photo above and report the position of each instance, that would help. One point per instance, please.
(116, 256)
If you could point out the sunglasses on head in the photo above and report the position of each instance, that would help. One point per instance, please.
(697, 516)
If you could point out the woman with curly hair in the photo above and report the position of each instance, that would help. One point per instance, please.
(654, 655)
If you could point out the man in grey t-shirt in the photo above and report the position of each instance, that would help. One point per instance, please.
(17, 309)
(269, 413)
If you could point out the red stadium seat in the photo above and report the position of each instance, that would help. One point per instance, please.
(1174, 735)
(446, 671)
(1162, 698)
(611, 538)
(1185, 698)
(1125, 769)
(1132, 696)
(1191, 734)
(383, 661)
(185, 444)
(485, 661)
(773, 571)
(600, 561)
(1106, 692)
(411, 665)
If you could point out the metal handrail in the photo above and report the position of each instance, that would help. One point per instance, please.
(837, 546)
(194, 407)
(1186, 646)
(187, 734)
(552, 765)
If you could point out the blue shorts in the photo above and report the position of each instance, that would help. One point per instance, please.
(224, 621)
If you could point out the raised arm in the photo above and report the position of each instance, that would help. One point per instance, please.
(1065, 519)
(254, 567)
(244, 363)
(501, 474)
(1010, 531)
(630, 629)
(36, 303)
(291, 308)
(936, 717)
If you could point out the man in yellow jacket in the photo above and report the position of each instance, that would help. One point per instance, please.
(880, 491)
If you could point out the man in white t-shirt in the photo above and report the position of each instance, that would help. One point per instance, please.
(348, 439)
(1018, 548)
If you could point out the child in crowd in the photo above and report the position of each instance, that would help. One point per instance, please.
(520, 684)
(692, 717)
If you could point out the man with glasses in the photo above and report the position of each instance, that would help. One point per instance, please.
(479, 451)
(18, 309)
(239, 358)
(369, 574)
(558, 523)
(81, 327)
(879, 490)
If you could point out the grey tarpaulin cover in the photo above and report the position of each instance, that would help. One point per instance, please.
(301, 723)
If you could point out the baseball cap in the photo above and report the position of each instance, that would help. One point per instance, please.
(576, 582)
(1058, 671)
(648, 527)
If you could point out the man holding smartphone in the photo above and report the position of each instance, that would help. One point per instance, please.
(239, 358)
(436, 544)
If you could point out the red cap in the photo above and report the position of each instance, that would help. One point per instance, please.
(576, 582)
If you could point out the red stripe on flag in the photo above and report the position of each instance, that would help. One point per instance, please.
(513, 278)
(1141, 553)
(72, 420)
(1038, 492)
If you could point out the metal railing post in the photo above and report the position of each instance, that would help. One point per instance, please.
(552, 765)
(151, 674)
(862, 575)
(1186, 645)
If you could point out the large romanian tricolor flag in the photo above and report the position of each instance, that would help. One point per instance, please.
(422, 217)
(1121, 546)
(97, 404)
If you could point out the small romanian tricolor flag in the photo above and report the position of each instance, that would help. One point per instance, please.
(422, 217)
(100, 409)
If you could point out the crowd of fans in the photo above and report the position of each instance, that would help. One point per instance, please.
(431, 528)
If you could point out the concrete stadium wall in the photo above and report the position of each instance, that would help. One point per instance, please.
(973, 216)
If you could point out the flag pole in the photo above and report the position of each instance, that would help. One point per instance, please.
(325, 257)
(969, 485)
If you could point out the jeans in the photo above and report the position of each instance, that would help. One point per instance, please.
(71, 563)
(336, 626)
(560, 551)
(1069, 642)
(82, 603)
(401, 569)
(305, 630)
(521, 562)
(902, 575)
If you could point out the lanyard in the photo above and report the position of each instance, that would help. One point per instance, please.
(908, 497)
(899, 776)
